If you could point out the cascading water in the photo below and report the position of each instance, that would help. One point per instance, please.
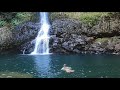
(42, 39)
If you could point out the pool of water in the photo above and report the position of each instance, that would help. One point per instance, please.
(49, 66)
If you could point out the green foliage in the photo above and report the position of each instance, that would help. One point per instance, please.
(89, 18)
(15, 18)
(15, 22)
(2, 23)
(7, 16)
(21, 17)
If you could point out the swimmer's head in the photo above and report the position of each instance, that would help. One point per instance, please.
(64, 65)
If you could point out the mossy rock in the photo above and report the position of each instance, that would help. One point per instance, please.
(112, 40)
(89, 18)
(102, 40)
(15, 75)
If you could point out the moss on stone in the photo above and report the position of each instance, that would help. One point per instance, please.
(102, 40)
(115, 39)
(15, 75)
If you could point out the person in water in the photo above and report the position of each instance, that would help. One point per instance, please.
(67, 69)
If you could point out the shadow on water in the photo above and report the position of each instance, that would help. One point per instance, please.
(44, 66)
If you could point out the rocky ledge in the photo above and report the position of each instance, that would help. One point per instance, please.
(67, 35)
(11, 40)
(72, 36)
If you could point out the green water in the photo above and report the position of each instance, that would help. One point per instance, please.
(49, 66)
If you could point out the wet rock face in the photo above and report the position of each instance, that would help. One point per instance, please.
(72, 36)
(29, 35)
(66, 36)
(70, 43)
(27, 48)
(13, 39)
(26, 31)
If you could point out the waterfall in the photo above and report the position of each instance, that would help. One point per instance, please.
(42, 39)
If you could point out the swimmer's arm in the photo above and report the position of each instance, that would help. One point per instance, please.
(62, 68)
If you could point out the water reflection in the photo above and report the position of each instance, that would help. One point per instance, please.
(44, 66)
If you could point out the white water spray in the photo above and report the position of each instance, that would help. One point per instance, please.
(42, 39)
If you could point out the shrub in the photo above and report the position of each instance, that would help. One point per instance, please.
(15, 18)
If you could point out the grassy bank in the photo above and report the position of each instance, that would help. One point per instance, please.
(89, 18)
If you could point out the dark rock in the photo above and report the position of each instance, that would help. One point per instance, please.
(70, 26)
(55, 45)
(65, 45)
(117, 47)
(72, 36)
(26, 48)
(105, 28)
(14, 38)
(76, 51)
(80, 41)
